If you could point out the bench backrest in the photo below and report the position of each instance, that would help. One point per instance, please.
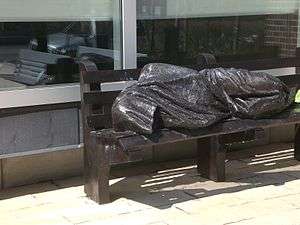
(95, 103)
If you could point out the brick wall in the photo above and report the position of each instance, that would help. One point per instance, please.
(282, 31)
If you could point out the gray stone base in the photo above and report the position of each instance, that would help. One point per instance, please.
(23, 170)
(38, 130)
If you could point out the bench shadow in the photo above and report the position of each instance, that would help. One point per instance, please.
(163, 188)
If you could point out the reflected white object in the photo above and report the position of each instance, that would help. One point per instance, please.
(280, 71)
(40, 95)
(52, 94)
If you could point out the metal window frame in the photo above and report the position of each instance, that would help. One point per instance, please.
(129, 34)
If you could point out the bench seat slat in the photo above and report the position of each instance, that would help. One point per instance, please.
(166, 136)
(118, 156)
(240, 136)
(133, 143)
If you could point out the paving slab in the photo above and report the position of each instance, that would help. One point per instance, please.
(261, 190)
(292, 217)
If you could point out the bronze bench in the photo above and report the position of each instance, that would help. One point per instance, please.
(103, 147)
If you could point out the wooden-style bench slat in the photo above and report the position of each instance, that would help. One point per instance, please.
(99, 97)
(165, 136)
(99, 121)
(249, 135)
(134, 143)
(118, 156)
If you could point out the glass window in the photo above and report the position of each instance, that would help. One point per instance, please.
(42, 41)
(176, 31)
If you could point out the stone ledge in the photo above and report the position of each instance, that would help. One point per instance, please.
(23, 170)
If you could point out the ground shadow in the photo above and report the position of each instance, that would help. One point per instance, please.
(166, 187)
(168, 183)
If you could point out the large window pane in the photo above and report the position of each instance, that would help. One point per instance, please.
(176, 31)
(42, 41)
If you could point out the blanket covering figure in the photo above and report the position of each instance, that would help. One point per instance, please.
(168, 96)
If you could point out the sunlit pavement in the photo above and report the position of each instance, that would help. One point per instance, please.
(261, 190)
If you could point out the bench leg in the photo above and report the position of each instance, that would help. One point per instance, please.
(297, 142)
(211, 158)
(97, 176)
(87, 168)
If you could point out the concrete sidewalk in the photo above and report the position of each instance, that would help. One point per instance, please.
(260, 190)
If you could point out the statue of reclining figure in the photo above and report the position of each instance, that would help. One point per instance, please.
(169, 96)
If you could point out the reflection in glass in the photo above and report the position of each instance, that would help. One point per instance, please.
(43, 42)
(177, 31)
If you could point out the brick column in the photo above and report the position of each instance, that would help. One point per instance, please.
(282, 31)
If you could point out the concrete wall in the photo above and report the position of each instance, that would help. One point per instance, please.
(40, 130)
(16, 171)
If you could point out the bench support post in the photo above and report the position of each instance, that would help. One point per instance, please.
(297, 142)
(97, 176)
(211, 158)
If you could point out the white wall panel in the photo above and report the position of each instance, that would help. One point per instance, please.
(212, 8)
